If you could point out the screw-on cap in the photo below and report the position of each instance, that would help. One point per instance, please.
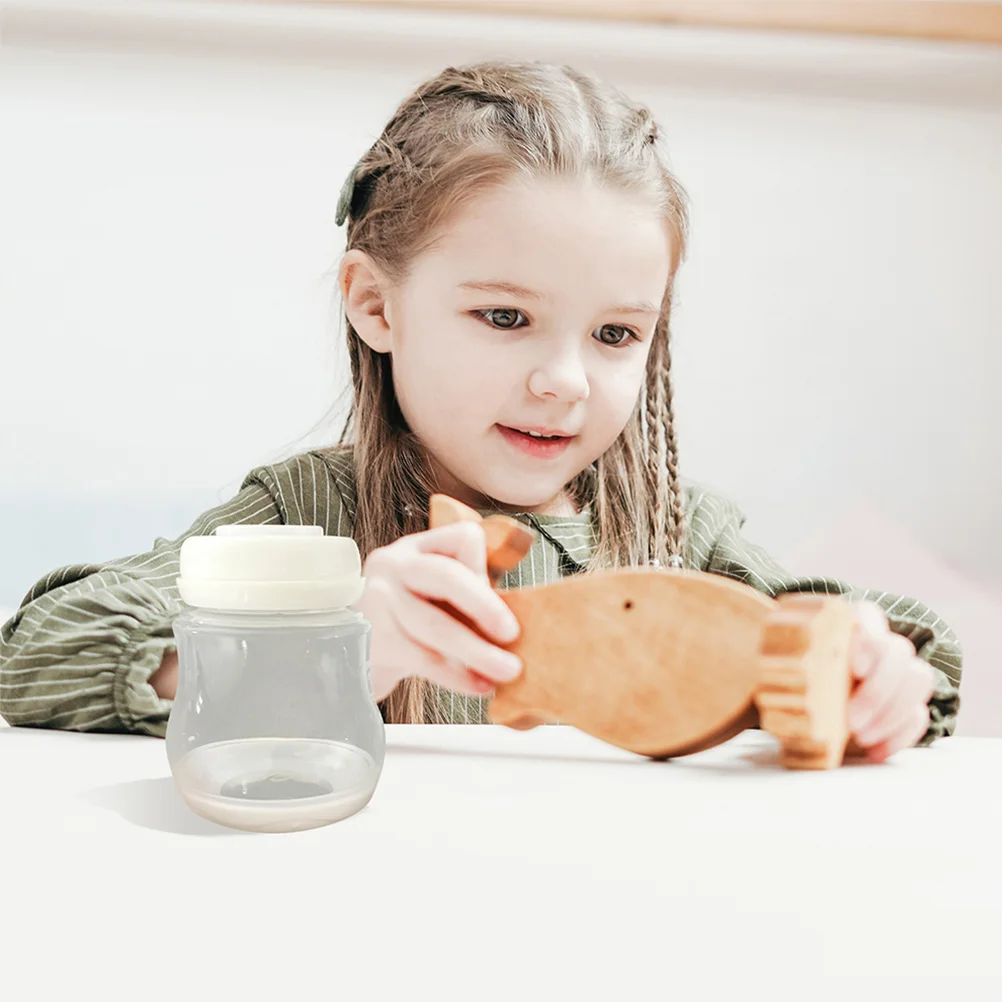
(264, 568)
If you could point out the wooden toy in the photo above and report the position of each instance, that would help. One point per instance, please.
(666, 663)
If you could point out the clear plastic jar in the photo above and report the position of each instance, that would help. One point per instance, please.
(274, 726)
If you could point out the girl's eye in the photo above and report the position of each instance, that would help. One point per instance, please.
(614, 335)
(504, 319)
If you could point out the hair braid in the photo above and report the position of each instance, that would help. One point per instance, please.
(675, 525)
(665, 529)
(656, 473)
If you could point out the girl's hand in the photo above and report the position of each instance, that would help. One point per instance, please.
(889, 709)
(412, 636)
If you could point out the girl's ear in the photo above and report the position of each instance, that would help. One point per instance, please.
(363, 288)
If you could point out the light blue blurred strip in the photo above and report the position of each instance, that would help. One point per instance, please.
(38, 534)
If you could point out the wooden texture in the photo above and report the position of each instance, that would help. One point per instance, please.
(653, 661)
(668, 663)
(805, 682)
(943, 20)
(508, 540)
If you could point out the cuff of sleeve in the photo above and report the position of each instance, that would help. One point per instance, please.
(944, 705)
(138, 706)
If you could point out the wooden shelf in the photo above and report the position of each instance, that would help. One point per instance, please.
(929, 19)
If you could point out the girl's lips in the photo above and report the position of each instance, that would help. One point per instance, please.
(539, 447)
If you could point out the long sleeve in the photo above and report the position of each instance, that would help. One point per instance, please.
(716, 545)
(79, 652)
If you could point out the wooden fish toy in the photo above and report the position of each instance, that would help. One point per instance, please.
(666, 663)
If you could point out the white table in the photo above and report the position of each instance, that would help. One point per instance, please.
(497, 864)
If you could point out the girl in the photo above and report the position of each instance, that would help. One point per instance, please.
(512, 240)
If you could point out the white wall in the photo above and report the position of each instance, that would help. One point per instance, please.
(169, 185)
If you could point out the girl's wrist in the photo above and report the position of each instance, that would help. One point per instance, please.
(164, 679)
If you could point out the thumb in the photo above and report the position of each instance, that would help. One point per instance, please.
(866, 647)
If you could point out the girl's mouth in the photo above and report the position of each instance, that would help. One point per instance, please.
(542, 448)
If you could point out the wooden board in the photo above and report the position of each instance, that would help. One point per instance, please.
(653, 661)
(805, 681)
(508, 541)
(948, 20)
(668, 663)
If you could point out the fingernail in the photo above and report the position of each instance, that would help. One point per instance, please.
(508, 627)
(509, 665)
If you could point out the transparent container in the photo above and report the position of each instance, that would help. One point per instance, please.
(274, 726)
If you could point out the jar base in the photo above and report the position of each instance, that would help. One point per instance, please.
(276, 784)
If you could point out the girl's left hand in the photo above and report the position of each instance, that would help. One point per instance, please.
(889, 708)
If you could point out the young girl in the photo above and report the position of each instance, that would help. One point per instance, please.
(513, 236)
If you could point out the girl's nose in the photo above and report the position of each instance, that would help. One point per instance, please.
(560, 378)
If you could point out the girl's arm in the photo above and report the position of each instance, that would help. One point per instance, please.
(81, 650)
(716, 545)
(79, 653)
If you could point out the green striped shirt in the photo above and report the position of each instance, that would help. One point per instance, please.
(80, 650)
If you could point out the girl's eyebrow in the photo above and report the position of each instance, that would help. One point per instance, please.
(635, 308)
(504, 288)
(520, 291)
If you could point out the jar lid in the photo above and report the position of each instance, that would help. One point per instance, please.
(270, 568)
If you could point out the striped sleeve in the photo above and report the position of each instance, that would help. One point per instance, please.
(718, 547)
(79, 652)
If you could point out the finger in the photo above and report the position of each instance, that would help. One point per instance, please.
(394, 656)
(870, 615)
(911, 692)
(907, 736)
(476, 683)
(452, 674)
(475, 680)
(433, 576)
(864, 654)
(436, 630)
(463, 541)
(867, 640)
(872, 696)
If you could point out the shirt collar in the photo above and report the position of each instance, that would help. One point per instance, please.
(572, 535)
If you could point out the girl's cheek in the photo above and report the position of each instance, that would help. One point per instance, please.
(623, 385)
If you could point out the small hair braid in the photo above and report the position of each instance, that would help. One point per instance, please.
(673, 485)
(665, 532)
(658, 510)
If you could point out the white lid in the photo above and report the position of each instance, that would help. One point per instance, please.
(273, 568)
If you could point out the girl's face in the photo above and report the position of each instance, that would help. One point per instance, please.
(535, 309)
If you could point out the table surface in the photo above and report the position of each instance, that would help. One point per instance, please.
(497, 864)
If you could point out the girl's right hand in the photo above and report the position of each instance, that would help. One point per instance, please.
(412, 636)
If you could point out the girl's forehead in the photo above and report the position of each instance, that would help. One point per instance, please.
(548, 202)
(533, 232)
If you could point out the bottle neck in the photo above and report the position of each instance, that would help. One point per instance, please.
(268, 617)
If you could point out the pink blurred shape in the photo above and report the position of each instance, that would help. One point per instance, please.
(870, 549)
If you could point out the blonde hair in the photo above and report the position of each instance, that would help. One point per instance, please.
(467, 129)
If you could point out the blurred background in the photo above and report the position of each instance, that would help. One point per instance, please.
(169, 179)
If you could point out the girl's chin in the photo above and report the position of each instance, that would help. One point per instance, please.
(503, 481)
(515, 500)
